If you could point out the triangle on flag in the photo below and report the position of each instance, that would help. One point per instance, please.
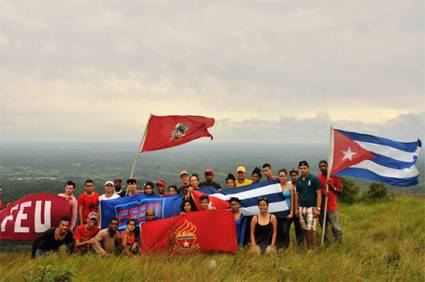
(346, 152)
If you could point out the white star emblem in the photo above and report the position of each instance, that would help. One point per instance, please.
(185, 244)
(348, 154)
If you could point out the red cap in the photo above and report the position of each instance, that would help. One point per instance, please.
(161, 183)
(209, 170)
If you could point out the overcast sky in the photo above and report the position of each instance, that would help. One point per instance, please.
(273, 71)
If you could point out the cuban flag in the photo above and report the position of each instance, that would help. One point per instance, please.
(374, 158)
(248, 196)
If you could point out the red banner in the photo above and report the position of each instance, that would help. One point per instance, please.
(28, 217)
(169, 131)
(205, 231)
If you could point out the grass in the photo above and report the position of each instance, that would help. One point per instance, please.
(384, 241)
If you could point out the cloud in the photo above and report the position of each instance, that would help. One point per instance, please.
(76, 68)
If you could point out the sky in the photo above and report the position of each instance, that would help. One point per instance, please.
(267, 71)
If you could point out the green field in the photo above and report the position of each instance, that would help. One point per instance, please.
(384, 241)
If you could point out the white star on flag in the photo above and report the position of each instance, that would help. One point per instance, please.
(348, 154)
(186, 244)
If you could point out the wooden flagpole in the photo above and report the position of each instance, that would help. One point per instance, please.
(133, 167)
(330, 163)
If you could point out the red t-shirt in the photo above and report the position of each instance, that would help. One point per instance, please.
(89, 203)
(82, 234)
(332, 194)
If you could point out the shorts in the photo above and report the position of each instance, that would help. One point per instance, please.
(307, 220)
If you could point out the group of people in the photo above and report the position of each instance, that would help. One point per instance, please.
(303, 193)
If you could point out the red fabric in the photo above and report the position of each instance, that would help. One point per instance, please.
(28, 217)
(130, 240)
(89, 203)
(214, 202)
(332, 196)
(82, 234)
(162, 131)
(205, 231)
(341, 144)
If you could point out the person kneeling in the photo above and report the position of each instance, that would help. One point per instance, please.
(84, 233)
(108, 240)
(263, 229)
(130, 238)
(53, 238)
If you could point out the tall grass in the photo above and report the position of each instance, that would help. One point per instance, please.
(384, 241)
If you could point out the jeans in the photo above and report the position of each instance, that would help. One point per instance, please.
(282, 234)
(332, 221)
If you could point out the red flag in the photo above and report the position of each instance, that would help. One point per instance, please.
(169, 131)
(28, 217)
(205, 231)
(217, 203)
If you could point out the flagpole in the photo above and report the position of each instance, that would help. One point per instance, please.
(330, 163)
(133, 167)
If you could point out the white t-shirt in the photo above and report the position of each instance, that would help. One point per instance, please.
(103, 197)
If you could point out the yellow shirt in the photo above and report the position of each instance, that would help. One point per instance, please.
(244, 183)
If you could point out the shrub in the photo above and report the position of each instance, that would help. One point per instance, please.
(376, 191)
(350, 192)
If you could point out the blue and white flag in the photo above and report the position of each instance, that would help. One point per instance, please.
(136, 206)
(249, 195)
(374, 158)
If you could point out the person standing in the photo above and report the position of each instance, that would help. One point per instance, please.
(88, 201)
(53, 238)
(310, 201)
(209, 180)
(230, 181)
(109, 195)
(334, 187)
(256, 175)
(284, 223)
(184, 180)
(1, 201)
(160, 186)
(268, 172)
(299, 233)
(241, 175)
(69, 196)
(132, 187)
(118, 187)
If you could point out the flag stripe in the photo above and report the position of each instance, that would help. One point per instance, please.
(385, 171)
(364, 173)
(391, 163)
(273, 208)
(405, 146)
(390, 152)
(252, 193)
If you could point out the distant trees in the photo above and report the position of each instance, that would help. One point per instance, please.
(376, 191)
(351, 192)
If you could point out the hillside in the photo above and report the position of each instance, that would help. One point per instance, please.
(384, 241)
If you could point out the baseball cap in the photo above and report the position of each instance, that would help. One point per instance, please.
(241, 168)
(183, 172)
(209, 171)
(160, 182)
(109, 182)
(92, 215)
(301, 163)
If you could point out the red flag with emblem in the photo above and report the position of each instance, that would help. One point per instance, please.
(204, 231)
(169, 131)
